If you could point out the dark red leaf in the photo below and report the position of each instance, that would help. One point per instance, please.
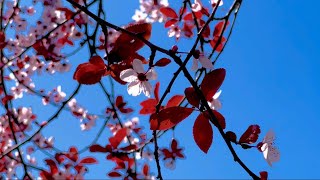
(163, 62)
(6, 98)
(169, 117)
(118, 137)
(145, 170)
(129, 148)
(91, 72)
(251, 135)
(263, 175)
(73, 154)
(114, 174)
(192, 96)
(156, 91)
(52, 165)
(88, 160)
(170, 22)
(212, 82)
(220, 118)
(98, 148)
(231, 136)
(202, 133)
(148, 106)
(174, 101)
(169, 12)
(126, 44)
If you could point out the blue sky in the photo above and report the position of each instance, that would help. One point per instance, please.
(272, 80)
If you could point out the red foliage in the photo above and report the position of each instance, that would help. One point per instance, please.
(203, 133)
(90, 72)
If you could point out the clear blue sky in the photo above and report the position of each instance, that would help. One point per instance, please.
(272, 80)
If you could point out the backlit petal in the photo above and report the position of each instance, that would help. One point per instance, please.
(205, 62)
(128, 75)
(151, 74)
(137, 66)
(134, 88)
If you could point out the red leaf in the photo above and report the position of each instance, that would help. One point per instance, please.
(88, 160)
(73, 154)
(220, 118)
(148, 106)
(169, 12)
(250, 135)
(263, 175)
(126, 44)
(218, 29)
(170, 23)
(145, 170)
(203, 133)
(192, 96)
(231, 136)
(212, 82)
(129, 148)
(189, 16)
(120, 105)
(163, 62)
(98, 148)
(91, 72)
(156, 91)
(52, 165)
(114, 174)
(169, 117)
(214, 41)
(6, 98)
(118, 137)
(174, 101)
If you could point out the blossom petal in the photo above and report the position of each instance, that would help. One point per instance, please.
(194, 65)
(273, 155)
(216, 96)
(128, 75)
(146, 88)
(205, 62)
(151, 74)
(269, 138)
(134, 88)
(137, 66)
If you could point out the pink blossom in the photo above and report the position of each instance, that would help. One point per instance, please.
(270, 152)
(138, 79)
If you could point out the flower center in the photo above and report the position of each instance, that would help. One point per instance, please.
(142, 77)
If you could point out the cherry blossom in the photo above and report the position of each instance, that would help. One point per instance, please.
(214, 103)
(204, 61)
(174, 31)
(149, 11)
(270, 152)
(138, 79)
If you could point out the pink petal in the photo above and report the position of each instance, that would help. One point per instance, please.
(194, 65)
(205, 62)
(134, 88)
(137, 66)
(151, 74)
(128, 75)
(146, 88)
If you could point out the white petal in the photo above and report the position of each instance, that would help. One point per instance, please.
(134, 88)
(205, 62)
(128, 75)
(194, 64)
(269, 138)
(151, 74)
(273, 155)
(216, 96)
(137, 66)
(146, 88)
